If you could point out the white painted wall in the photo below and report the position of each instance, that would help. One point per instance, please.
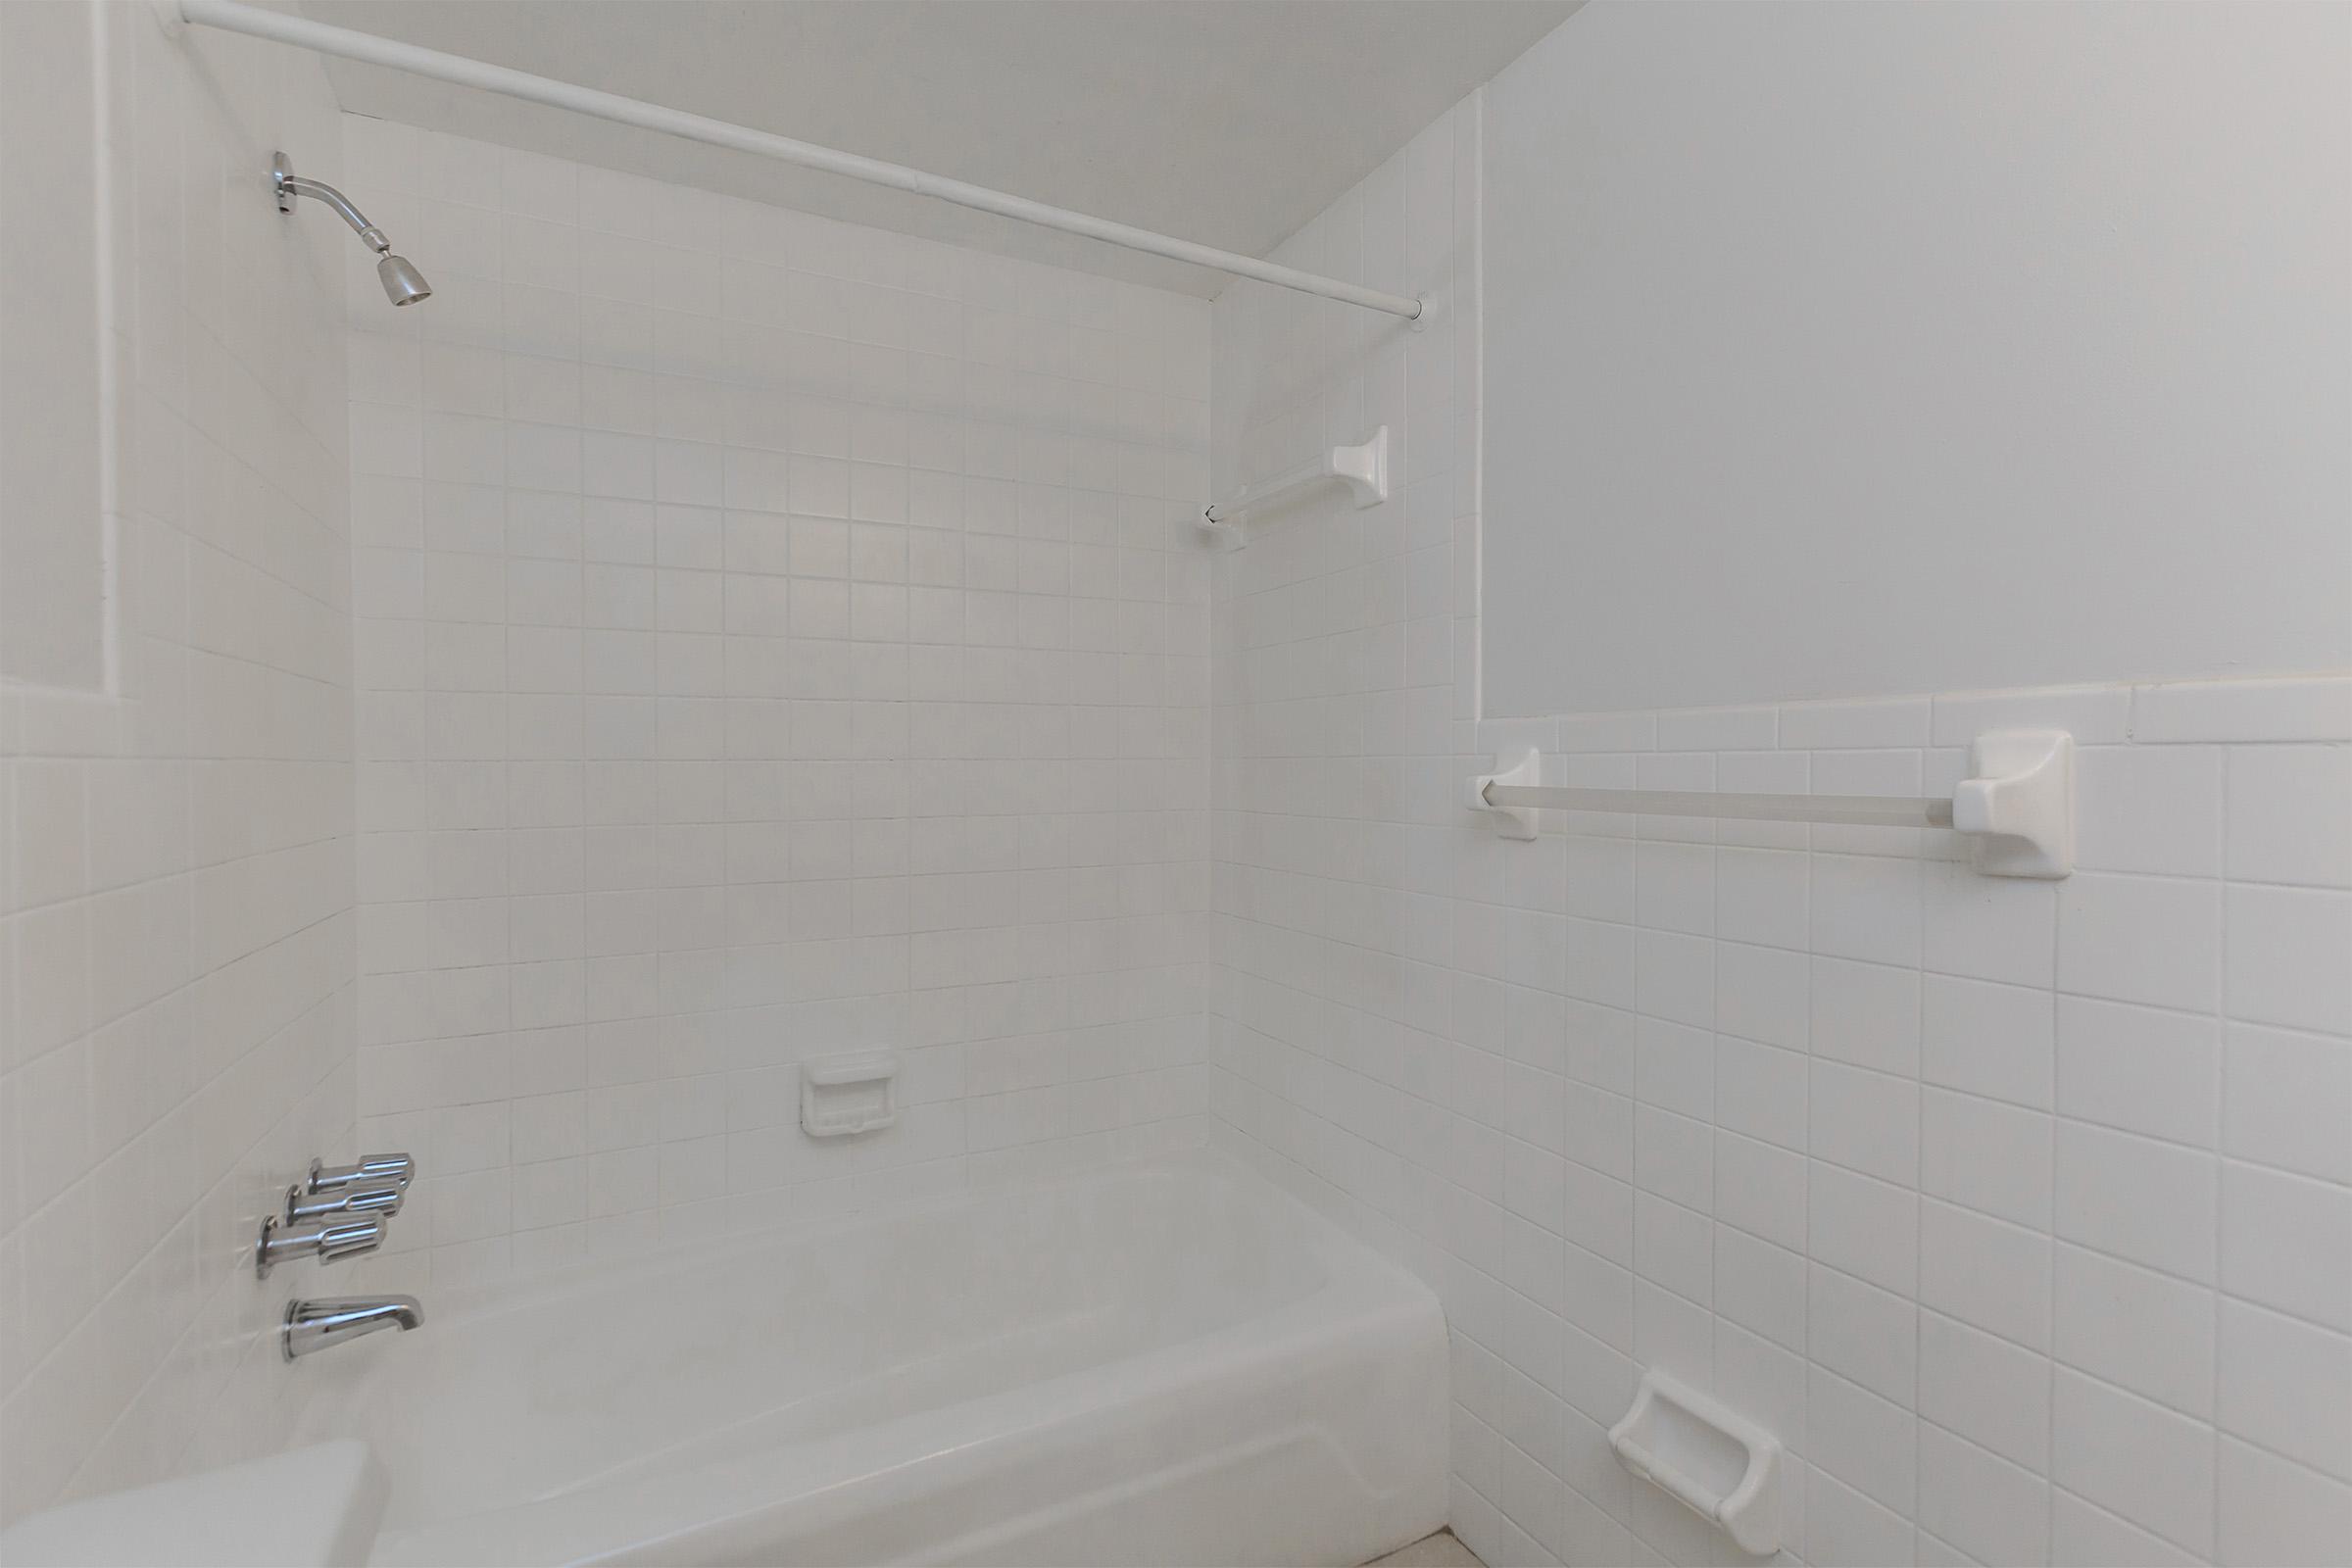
(1845, 350)
(1247, 117)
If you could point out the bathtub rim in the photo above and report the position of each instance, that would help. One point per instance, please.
(1361, 1298)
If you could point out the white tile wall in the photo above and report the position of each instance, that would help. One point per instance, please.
(2019, 1209)
(775, 637)
(175, 879)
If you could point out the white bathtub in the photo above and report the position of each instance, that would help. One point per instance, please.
(1166, 1362)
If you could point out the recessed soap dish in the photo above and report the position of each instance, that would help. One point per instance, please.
(851, 1094)
(1721, 1466)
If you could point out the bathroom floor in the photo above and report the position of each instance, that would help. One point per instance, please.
(1441, 1550)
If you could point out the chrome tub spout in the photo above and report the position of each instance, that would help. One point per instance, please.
(329, 1321)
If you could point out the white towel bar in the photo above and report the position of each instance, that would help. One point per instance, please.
(1363, 469)
(2018, 803)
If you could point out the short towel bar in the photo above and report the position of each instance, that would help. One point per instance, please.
(2018, 802)
(1865, 810)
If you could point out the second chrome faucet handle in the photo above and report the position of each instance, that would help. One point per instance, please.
(328, 1241)
(302, 1203)
(372, 1171)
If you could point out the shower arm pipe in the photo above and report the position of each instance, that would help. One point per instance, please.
(291, 184)
(231, 16)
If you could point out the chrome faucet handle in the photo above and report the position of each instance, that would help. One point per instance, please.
(302, 1205)
(372, 1170)
(281, 1243)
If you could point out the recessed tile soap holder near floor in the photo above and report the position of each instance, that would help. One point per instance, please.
(855, 1092)
(1720, 1465)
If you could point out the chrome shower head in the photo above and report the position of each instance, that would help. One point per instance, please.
(403, 283)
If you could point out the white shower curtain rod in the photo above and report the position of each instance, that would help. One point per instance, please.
(278, 28)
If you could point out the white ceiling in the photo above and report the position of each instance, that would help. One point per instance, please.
(1227, 121)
